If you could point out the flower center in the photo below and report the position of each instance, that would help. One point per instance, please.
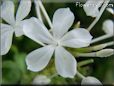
(57, 42)
(18, 29)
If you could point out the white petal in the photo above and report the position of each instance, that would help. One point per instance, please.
(7, 11)
(108, 27)
(90, 81)
(35, 30)
(65, 63)
(38, 59)
(91, 7)
(23, 10)
(77, 38)
(19, 29)
(62, 20)
(6, 33)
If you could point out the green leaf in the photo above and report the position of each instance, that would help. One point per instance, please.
(11, 74)
(20, 61)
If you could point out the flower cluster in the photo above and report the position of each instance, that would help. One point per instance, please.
(56, 40)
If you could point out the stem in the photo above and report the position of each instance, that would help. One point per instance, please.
(82, 63)
(14, 49)
(53, 75)
(101, 46)
(86, 54)
(80, 75)
(45, 13)
(101, 38)
(92, 48)
(101, 53)
(100, 14)
(38, 12)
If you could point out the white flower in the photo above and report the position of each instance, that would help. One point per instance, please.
(65, 63)
(90, 81)
(108, 27)
(41, 79)
(91, 7)
(14, 24)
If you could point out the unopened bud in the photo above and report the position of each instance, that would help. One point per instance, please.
(105, 53)
(41, 80)
(99, 47)
(108, 27)
(90, 81)
(110, 10)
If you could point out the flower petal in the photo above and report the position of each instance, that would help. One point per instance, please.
(90, 81)
(19, 29)
(6, 32)
(77, 38)
(35, 30)
(65, 63)
(7, 11)
(23, 10)
(38, 59)
(62, 20)
(91, 7)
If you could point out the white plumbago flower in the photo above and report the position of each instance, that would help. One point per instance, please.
(108, 27)
(41, 79)
(14, 23)
(90, 81)
(65, 63)
(91, 7)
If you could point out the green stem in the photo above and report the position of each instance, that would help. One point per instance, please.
(82, 63)
(38, 12)
(45, 13)
(80, 75)
(101, 38)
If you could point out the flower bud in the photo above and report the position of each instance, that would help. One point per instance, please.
(110, 10)
(99, 47)
(108, 27)
(105, 53)
(90, 81)
(41, 79)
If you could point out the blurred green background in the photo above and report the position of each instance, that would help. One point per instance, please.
(14, 70)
